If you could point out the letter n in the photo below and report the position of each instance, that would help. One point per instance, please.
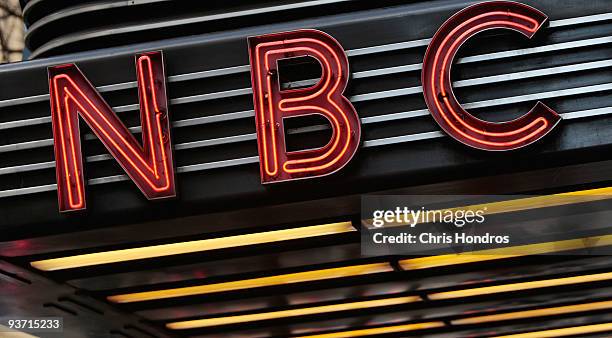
(149, 165)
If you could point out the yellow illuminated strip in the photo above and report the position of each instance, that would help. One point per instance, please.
(534, 313)
(379, 330)
(487, 290)
(554, 200)
(568, 331)
(529, 203)
(508, 252)
(306, 276)
(190, 247)
(191, 324)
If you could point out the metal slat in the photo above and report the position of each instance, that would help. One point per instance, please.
(355, 98)
(367, 120)
(132, 84)
(255, 159)
(580, 20)
(364, 74)
(366, 51)
(84, 36)
(437, 134)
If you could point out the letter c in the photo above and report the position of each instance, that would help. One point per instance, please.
(437, 83)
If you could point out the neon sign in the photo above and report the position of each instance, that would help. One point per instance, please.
(324, 98)
(437, 83)
(150, 164)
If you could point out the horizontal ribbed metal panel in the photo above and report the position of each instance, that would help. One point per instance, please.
(499, 76)
(57, 27)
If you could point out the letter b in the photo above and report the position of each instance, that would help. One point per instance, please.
(325, 98)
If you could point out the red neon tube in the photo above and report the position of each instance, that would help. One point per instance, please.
(150, 164)
(325, 98)
(437, 82)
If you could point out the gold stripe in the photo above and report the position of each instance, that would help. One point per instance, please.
(502, 253)
(315, 275)
(191, 324)
(530, 203)
(190, 247)
(534, 313)
(487, 290)
(568, 331)
(379, 330)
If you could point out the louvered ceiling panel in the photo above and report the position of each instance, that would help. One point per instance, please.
(311, 295)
